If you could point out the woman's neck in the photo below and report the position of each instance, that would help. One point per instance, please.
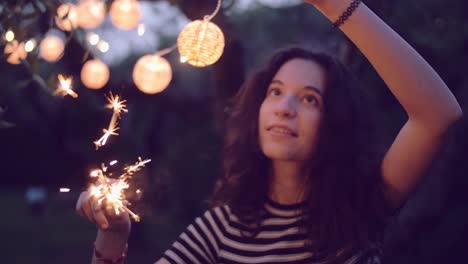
(287, 182)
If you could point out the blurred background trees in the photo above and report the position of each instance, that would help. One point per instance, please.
(47, 142)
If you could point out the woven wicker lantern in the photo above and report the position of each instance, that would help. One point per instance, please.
(125, 14)
(95, 74)
(16, 51)
(51, 48)
(91, 13)
(201, 43)
(152, 74)
(67, 17)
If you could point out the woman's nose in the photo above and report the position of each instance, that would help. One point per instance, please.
(285, 108)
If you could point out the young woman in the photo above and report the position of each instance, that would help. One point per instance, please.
(301, 183)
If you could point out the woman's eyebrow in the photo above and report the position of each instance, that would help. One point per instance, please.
(308, 87)
(315, 89)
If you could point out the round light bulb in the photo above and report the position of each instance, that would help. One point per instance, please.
(125, 14)
(201, 43)
(152, 74)
(95, 74)
(51, 48)
(91, 13)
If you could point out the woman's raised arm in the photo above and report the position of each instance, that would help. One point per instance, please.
(429, 104)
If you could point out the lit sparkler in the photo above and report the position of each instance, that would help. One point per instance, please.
(112, 191)
(118, 106)
(65, 86)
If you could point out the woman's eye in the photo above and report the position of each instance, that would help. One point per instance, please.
(274, 92)
(310, 99)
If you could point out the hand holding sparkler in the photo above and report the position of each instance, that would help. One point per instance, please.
(106, 200)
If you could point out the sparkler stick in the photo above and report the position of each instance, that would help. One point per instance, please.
(65, 86)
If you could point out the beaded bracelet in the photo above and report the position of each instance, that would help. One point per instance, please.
(101, 259)
(346, 14)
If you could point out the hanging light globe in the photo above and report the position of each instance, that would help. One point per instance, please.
(51, 47)
(152, 74)
(201, 43)
(125, 14)
(95, 74)
(91, 13)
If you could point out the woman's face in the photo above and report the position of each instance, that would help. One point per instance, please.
(290, 115)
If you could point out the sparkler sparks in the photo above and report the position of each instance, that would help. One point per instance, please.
(107, 133)
(112, 191)
(118, 106)
(65, 86)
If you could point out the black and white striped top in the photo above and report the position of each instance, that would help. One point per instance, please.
(215, 237)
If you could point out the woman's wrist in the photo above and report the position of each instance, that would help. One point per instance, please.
(332, 9)
(111, 244)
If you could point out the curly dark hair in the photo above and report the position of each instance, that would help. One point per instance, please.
(346, 209)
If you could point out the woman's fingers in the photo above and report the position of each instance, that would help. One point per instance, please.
(99, 215)
(83, 206)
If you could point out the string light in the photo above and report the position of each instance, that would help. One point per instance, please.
(152, 73)
(93, 38)
(30, 45)
(67, 17)
(52, 47)
(91, 13)
(64, 86)
(15, 51)
(9, 36)
(141, 30)
(103, 46)
(125, 14)
(201, 42)
(95, 74)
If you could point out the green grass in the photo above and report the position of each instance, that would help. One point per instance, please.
(61, 236)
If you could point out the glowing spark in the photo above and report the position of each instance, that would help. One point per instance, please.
(116, 104)
(107, 133)
(112, 162)
(112, 191)
(64, 190)
(65, 86)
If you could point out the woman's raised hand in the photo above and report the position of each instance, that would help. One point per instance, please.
(103, 214)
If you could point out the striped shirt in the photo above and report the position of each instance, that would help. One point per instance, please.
(216, 237)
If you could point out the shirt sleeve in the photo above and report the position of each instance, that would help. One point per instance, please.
(199, 243)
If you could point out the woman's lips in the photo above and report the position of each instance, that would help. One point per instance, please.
(281, 130)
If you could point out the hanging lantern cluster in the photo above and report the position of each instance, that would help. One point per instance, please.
(200, 43)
